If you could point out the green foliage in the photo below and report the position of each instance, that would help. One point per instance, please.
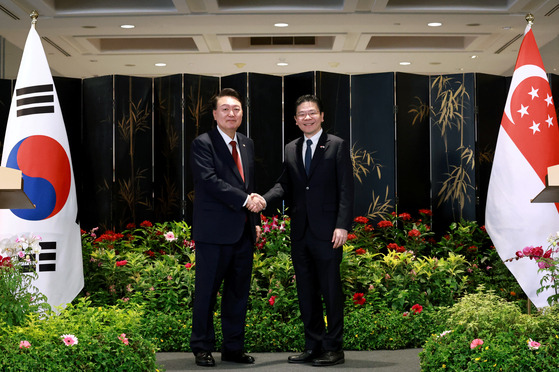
(18, 296)
(101, 335)
(505, 334)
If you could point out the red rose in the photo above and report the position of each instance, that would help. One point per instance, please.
(417, 309)
(358, 299)
(272, 300)
(188, 265)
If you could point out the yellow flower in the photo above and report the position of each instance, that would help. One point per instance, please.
(477, 359)
(444, 365)
(487, 347)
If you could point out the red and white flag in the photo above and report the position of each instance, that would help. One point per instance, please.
(527, 144)
(36, 143)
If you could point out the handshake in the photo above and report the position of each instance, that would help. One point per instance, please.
(255, 203)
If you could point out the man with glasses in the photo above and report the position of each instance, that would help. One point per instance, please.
(317, 184)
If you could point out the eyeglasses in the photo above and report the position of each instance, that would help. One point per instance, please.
(302, 115)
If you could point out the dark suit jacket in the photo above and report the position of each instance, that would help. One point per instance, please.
(219, 190)
(325, 198)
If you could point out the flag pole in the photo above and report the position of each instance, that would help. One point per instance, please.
(530, 20)
(34, 15)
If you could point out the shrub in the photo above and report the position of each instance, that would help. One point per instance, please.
(485, 333)
(97, 339)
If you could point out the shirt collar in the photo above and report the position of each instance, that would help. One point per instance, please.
(225, 137)
(314, 138)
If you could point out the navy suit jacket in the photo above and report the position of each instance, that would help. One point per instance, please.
(219, 190)
(325, 197)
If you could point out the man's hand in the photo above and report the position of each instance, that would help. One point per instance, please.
(339, 238)
(255, 203)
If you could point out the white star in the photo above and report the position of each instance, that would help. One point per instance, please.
(523, 110)
(549, 121)
(534, 93)
(535, 127)
(549, 100)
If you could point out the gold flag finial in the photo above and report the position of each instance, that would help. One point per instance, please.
(530, 18)
(34, 15)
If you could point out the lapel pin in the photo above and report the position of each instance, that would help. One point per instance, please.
(321, 147)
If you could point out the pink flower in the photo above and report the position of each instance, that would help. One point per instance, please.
(406, 313)
(21, 254)
(170, 236)
(532, 345)
(475, 343)
(272, 300)
(417, 309)
(188, 265)
(123, 338)
(69, 340)
(24, 344)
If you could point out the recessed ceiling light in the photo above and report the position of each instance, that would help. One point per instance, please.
(282, 64)
(281, 24)
(405, 63)
(434, 24)
(127, 26)
(161, 64)
(474, 57)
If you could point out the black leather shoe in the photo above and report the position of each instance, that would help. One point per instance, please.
(329, 358)
(305, 357)
(205, 359)
(237, 357)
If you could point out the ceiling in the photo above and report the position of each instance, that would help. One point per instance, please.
(84, 38)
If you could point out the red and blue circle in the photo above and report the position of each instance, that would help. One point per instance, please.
(47, 175)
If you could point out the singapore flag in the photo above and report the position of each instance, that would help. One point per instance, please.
(36, 143)
(527, 144)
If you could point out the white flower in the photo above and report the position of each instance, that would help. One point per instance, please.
(170, 236)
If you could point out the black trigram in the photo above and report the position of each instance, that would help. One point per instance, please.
(33, 97)
(47, 257)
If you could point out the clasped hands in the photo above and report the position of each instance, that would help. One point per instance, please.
(255, 203)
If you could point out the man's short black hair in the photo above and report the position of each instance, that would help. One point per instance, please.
(308, 98)
(226, 92)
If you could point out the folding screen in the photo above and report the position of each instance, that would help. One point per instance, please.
(373, 143)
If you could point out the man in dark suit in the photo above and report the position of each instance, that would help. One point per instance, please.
(317, 184)
(224, 231)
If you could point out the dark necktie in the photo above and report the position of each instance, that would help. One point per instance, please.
(236, 158)
(308, 157)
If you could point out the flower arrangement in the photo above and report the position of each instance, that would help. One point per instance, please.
(547, 263)
(18, 296)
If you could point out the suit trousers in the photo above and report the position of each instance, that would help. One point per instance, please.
(232, 265)
(317, 274)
